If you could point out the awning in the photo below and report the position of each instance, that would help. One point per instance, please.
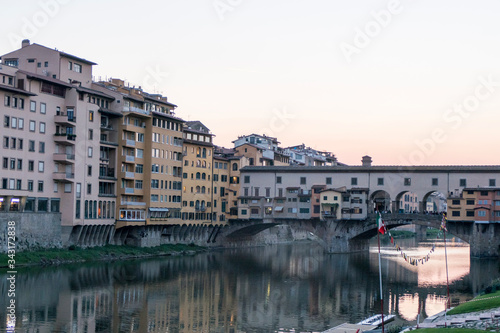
(278, 209)
(155, 209)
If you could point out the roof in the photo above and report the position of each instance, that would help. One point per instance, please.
(45, 78)
(95, 92)
(16, 90)
(110, 112)
(134, 98)
(85, 61)
(482, 189)
(169, 116)
(371, 169)
(260, 136)
(151, 98)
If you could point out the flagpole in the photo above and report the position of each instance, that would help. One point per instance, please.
(380, 275)
(447, 281)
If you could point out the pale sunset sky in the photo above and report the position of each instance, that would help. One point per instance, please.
(404, 81)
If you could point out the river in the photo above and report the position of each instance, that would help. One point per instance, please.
(260, 289)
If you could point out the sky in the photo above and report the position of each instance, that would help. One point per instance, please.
(408, 82)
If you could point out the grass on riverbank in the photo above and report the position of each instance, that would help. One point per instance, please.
(402, 234)
(108, 252)
(448, 330)
(483, 302)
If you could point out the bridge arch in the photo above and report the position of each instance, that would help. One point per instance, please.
(407, 202)
(437, 199)
(380, 200)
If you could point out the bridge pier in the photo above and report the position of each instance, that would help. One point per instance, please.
(485, 240)
(341, 244)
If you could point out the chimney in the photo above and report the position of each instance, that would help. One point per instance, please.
(25, 42)
(366, 161)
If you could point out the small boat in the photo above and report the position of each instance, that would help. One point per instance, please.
(377, 320)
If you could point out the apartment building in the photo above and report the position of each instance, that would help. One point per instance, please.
(149, 158)
(307, 156)
(197, 194)
(479, 205)
(261, 150)
(54, 118)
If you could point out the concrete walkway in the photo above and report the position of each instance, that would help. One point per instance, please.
(482, 320)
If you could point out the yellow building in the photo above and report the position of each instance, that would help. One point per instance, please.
(149, 158)
(330, 202)
(197, 195)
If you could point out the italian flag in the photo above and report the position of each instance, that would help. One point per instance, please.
(380, 223)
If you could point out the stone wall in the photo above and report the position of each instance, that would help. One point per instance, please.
(33, 230)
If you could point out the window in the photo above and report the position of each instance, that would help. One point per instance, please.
(354, 181)
(455, 213)
(407, 182)
(40, 186)
(481, 213)
(90, 152)
(43, 108)
(13, 122)
(256, 190)
(89, 170)
(7, 100)
(328, 180)
(77, 67)
(41, 147)
(32, 106)
(302, 180)
(31, 145)
(21, 103)
(278, 180)
(41, 166)
(46, 64)
(380, 181)
(434, 181)
(91, 134)
(91, 116)
(493, 182)
(463, 182)
(138, 184)
(31, 165)
(246, 179)
(19, 164)
(42, 127)
(304, 210)
(6, 121)
(470, 213)
(470, 202)
(30, 185)
(6, 142)
(20, 123)
(139, 168)
(32, 125)
(89, 188)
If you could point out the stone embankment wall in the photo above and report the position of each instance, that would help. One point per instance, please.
(33, 230)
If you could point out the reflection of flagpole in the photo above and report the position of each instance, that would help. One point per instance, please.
(443, 227)
(380, 228)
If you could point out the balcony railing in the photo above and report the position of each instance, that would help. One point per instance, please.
(135, 109)
(64, 158)
(133, 203)
(129, 174)
(129, 158)
(130, 143)
(129, 190)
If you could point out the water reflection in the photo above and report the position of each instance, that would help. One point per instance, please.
(241, 290)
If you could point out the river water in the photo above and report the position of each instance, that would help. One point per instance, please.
(262, 289)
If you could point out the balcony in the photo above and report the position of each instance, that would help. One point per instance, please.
(107, 195)
(129, 142)
(108, 143)
(129, 190)
(65, 139)
(130, 159)
(136, 110)
(107, 127)
(132, 203)
(64, 158)
(64, 119)
(129, 174)
(63, 177)
(107, 173)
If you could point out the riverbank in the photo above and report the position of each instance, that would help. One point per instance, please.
(107, 253)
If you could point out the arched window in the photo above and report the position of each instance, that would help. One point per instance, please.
(197, 189)
(203, 190)
(197, 205)
(86, 215)
(198, 163)
(198, 175)
(204, 154)
(204, 176)
(235, 166)
(204, 165)
(198, 152)
(203, 204)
